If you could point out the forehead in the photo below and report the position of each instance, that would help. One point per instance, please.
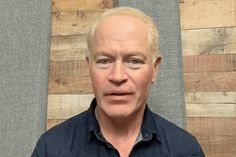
(121, 25)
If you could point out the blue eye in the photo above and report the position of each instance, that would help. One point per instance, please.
(135, 63)
(103, 63)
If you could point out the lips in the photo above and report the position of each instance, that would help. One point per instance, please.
(118, 93)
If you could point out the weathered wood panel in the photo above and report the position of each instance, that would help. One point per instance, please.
(73, 22)
(207, 13)
(210, 97)
(68, 48)
(209, 63)
(216, 135)
(65, 106)
(73, 5)
(211, 110)
(67, 77)
(209, 41)
(210, 81)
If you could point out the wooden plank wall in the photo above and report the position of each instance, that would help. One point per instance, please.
(208, 30)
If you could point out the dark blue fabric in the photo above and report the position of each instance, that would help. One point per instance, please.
(80, 137)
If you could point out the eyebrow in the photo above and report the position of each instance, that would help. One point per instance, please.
(129, 54)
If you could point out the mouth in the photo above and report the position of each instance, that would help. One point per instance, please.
(118, 93)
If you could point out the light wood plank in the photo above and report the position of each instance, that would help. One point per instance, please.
(68, 48)
(73, 22)
(73, 5)
(211, 110)
(209, 41)
(209, 63)
(210, 82)
(64, 106)
(210, 97)
(207, 13)
(216, 135)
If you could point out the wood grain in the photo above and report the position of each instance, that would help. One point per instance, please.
(211, 110)
(64, 106)
(67, 77)
(207, 13)
(210, 97)
(209, 41)
(209, 63)
(216, 135)
(210, 82)
(73, 22)
(73, 5)
(68, 48)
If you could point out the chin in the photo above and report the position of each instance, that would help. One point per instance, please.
(118, 111)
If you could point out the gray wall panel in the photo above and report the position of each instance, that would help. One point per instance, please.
(24, 56)
(167, 96)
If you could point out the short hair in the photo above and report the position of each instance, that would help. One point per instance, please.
(153, 36)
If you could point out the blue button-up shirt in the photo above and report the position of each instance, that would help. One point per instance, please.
(80, 136)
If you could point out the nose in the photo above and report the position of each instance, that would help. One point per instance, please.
(118, 74)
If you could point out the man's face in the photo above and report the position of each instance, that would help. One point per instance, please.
(121, 68)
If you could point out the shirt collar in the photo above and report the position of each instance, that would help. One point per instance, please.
(149, 128)
(93, 123)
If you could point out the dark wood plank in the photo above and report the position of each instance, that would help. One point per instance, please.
(210, 81)
(67, 77)
(216, 135)
(209, 63)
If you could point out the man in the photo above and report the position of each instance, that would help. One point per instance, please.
(123, 62)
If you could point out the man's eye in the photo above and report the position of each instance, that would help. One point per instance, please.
(103, 61)
(135, 63)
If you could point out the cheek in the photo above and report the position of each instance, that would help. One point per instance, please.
(145, 76)
(98, 79)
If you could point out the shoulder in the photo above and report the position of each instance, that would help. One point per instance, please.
(61, 137)
(176, 138)
(66, 128)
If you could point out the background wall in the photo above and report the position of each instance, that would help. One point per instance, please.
(209, 48)
(24, 56)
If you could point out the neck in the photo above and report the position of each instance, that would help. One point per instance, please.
(120, 132)
(119, 128)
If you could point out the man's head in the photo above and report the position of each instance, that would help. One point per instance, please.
(153, 35)
(122, 62)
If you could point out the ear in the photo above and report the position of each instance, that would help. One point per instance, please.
(157, 65)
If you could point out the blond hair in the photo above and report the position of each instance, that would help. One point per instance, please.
(153, 36)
